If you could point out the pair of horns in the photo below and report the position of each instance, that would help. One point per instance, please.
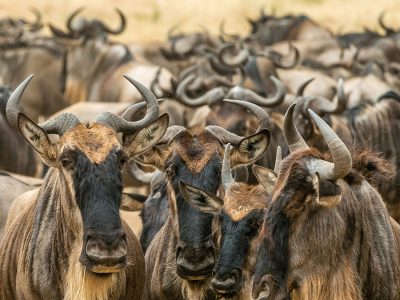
(65, 121)
(215, 95)
(342, 162)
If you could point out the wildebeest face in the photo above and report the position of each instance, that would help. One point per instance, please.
(90, 158)
(196, 160)
(297, 201)
(240, 216)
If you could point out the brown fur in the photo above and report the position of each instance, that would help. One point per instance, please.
(95, 140)
(47, 230)
(349, 251)
(241, 199)
(196, 152)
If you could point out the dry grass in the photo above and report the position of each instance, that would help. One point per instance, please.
(149, 20)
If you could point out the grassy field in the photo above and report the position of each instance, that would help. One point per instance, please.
(149, 20)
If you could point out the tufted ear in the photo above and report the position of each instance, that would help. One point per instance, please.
(200, 199)
(265, 177)
(326, 193)
(38, 139)
(250, 149)
(148, 136)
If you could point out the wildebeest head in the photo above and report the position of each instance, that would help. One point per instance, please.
(86, 64)
(15, 28)
(89, 159)
(306, 187)
(88, 29)
(321, 105)
(196, 159)
(240, 213)
(183, 45)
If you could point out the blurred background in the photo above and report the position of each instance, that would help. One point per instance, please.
(149, 20)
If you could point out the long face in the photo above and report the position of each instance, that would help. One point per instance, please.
(299, 203)
(196, 160)
(91, 159)
(240, 219)
(155, 210)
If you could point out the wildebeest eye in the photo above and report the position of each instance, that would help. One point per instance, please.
(66, 162)
(122, 162)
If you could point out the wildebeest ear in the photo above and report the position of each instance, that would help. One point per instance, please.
(148, 136)
(265, 177)
(38, 139)
(327, 193)
(132, 202)
(200, 199)
(250, 149)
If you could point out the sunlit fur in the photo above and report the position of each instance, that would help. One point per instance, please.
(350, 251)
(39, 258)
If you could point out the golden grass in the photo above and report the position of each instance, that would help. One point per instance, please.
(149, 20)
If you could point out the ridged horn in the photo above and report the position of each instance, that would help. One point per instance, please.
(292, 136)
(57, 125)
(342, 161)
(121, 125)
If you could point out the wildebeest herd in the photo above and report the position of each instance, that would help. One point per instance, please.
(268, 167)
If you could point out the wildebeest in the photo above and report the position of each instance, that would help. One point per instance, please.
(155, 208)
(180, 259)
(240, 214)
(327, 233)
(71, 240)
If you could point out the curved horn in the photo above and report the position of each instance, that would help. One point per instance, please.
(37, 24)
(387, 29)
(210, 97)
(235, 61)
(12, 108)
(277, 58)
(292, 136)
(122, 24)
(121, 125)
(71, 18)
(303, 86)
(261, 114)
(342, 162)
(58, 125)
(226, 173)
(130, 113)
(251, 96)
(170, 33)
(278, 160)
(226, 136)
(141, 175)
(337, 106)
